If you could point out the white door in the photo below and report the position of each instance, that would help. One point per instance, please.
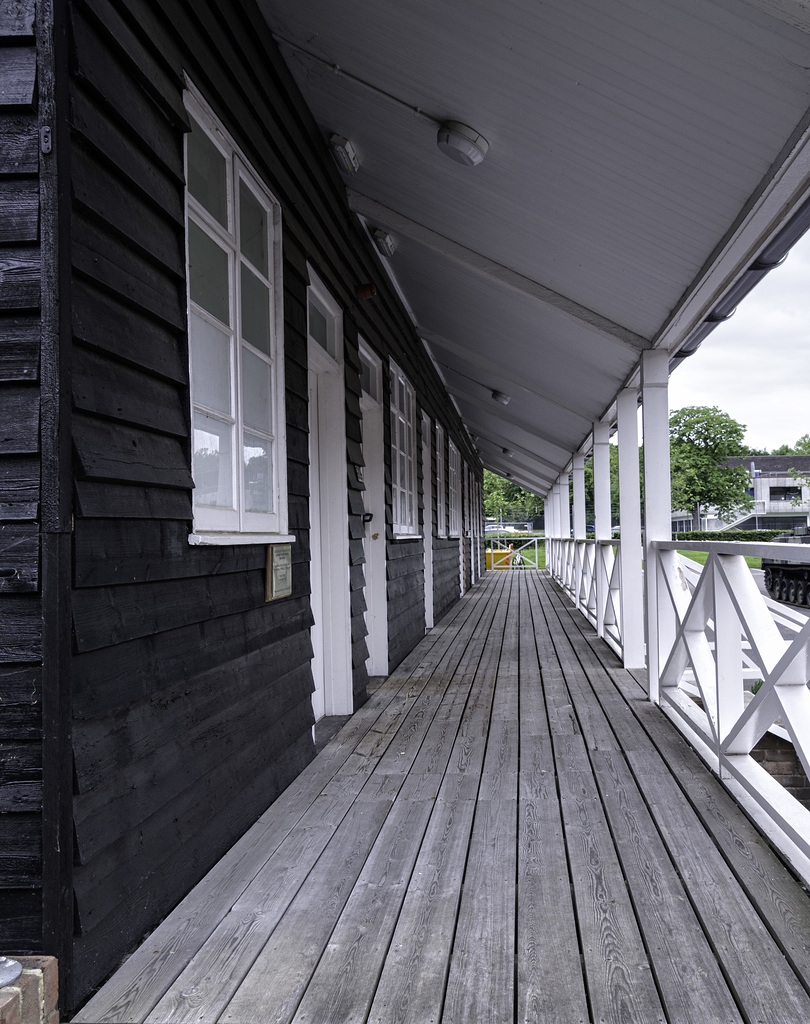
(329, 517)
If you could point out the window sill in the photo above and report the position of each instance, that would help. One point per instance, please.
(240, 538)
(407, 536)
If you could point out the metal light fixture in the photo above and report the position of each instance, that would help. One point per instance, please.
(499, 396)
(345, 154)
(507, 453)
(461, 143)
(384, 242)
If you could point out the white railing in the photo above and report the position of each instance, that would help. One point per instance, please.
(732, 663)
(505, 554)
(717, 634)
(590, 573)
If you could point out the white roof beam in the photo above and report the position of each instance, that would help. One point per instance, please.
(524, 480)
(555, 441)
(541, 477)
(541, 466)
(437, 341)
(480, 264)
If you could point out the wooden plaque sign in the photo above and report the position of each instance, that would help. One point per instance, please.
(279, 571)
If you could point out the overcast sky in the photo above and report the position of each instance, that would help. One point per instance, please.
(756, 366)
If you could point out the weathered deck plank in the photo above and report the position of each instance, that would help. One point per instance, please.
(507, 831)
(760, 979)
(550, 979)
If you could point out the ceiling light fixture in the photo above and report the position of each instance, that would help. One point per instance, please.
(345, 154)
(507, 453)
(462, 143)
(499, 396)
(384, 242)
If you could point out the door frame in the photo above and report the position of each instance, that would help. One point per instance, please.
(329, 515)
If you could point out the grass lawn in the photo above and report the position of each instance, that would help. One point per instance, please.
(528, 556)
(701, 556)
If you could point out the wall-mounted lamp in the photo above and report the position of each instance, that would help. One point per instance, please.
(499, 396)
(384, 242)
(345, 154)
(461, 143)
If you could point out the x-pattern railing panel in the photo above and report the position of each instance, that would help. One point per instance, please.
(590, 573)
(715, 630)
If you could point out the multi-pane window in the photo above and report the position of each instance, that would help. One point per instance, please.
(403, 453)
(441, 482)
(454, 490)
(237, 386)
(467, 499)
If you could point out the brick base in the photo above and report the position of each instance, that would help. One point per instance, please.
(33, 997)
(779, 759)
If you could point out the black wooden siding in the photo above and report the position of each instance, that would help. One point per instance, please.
(190, 695)
(21, 782)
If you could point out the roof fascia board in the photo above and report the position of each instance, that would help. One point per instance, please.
(480, 264)
(782, 190)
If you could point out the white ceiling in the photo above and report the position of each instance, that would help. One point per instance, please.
(641, 153)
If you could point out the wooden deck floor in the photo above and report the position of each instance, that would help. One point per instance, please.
(506, 832)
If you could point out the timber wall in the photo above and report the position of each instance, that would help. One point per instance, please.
(20, 597)
(191, 695)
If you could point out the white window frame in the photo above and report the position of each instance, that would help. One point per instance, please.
(319, 296)
(403, 454)
(441, 482)
(454, 491)
(467, 474)
(374, 364)
(235, 524)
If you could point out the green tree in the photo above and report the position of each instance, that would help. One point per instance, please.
(801, 447)
(503, 497)
(702, 439)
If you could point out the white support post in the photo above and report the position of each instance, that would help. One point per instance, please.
(579, 497)
(565, 507)
(548, 527)
(565, 529)
(657, 501)
(601, 511)
(630, 551)
(579, 554)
